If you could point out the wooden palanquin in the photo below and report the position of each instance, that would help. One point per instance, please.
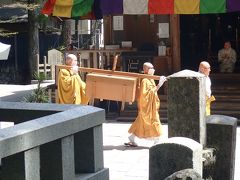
(110, 84)
(111, 87)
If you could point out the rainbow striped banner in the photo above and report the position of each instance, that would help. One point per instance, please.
(95, 9)
(83, 9)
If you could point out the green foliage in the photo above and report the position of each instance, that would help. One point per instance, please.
(40, 77)
(61, 48)
(38, 95)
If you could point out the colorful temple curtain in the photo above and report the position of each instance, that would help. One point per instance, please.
(95, 9)
(110, 7)
(161, 7)
(135, 6)
(233, 5)
(186, 6)
(48, 7)
(73, 8)
(213, 6)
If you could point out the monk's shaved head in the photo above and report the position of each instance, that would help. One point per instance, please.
(71, 60)
(205, 68)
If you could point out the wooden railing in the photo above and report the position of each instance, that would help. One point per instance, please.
(98, 58)
(45, 68)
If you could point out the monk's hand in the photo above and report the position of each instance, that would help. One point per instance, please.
(162, 79)
(75, 69)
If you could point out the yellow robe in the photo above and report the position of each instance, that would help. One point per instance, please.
(208, 105)
(147, 123)
(71, 89)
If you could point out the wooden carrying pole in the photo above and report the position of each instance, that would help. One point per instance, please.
(110, 72)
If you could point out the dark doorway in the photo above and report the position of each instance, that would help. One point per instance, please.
(203, 35)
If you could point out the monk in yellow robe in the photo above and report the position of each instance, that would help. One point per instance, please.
(205, 68)
(71, 88)
(147, 124)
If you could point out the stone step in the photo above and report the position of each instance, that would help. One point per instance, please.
(218, 104)
(226, 92)
(222, 102)
(226, 106)
(233, 87)
(233, 111)
(133, 112)
(163, 117)
(227, 96)
(163, 113)
(232, 78)
(131, 119)
(235, 114)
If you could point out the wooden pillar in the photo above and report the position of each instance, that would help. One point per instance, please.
(107, 29)
(45, 66)
(175, 39)
(38, 64)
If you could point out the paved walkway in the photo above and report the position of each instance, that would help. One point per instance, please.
(127, 163)
(16, 93)
(124, 163)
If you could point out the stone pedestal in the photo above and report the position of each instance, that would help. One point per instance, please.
(186, 105)
(221, 135)
(173, 155)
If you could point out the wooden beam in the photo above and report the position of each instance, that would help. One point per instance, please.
(110, 72)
